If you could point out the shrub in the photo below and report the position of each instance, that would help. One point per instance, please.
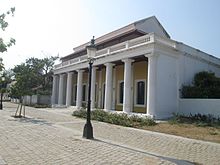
(99, 115)
(41, 106)
(115, 118)
(147, 122)
(197, 119)
(205, 85)
(80, 113)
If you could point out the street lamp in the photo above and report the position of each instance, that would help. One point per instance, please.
(88, 130)
(2, 86)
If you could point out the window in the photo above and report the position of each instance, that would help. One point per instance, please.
(96, 87)
(103, 97)
(121, 92)
(140, 92)
(75, 92)
(84, 93)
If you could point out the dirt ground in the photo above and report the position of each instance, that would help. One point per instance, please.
(188, 130)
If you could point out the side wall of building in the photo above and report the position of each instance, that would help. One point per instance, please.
(201, 106)
(192, 61)
(166, 86)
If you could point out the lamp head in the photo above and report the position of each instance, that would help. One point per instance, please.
(91, 49)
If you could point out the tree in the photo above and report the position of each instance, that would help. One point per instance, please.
(205, 85)
(21, 87)
(42, 69)
(33, 77)
(1, 65)
(3, 25)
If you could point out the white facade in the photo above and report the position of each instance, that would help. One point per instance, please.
(170, 64)
(202, 106)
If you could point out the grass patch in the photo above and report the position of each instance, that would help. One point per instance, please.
(115, 118)
(197, 120)
(192, 126)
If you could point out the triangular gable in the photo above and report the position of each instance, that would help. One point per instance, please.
(150, 25)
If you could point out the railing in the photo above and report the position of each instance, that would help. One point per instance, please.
(137, 42)
(165, 41)
(101, 52)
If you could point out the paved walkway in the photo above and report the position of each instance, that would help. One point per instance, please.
(53, 136)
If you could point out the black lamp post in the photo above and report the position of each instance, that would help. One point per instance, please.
(1, 73)
(88, 130)
(1, 106)
(2, 86)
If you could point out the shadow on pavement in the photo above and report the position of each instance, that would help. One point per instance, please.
(31, 120)
(176, 161)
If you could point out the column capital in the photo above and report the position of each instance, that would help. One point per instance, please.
(109, 64)
(153, 53)
(70, 73)
(95, 67)
(80, 71)
(127, 60)
(54, 75)
(62, 74)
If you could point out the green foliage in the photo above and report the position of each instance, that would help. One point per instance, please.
(1, 65)
(3, 25)
(40, 106)
(115, 118)
(33, 77)
(5, 81)
(80, 113)
(205, 85)
(2, 90)
(99, 115)
(197, 119)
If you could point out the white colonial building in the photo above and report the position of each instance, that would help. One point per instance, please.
(137, 69)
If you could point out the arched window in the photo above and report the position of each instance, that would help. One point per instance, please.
(75, 92)
(121, 92)
(140, 92)
(84, 92)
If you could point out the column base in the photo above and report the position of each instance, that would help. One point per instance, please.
(58, 106)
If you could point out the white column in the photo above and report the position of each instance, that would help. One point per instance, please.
(79, 89)
(132, 87)
(108, 86)
(54, 90)
(114, 89)
(127, 86)
(69, 88)
(61, 92)
(151, 84)
(100, 90)
(93, 82)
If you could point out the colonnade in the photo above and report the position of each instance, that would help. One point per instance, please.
(58, 87)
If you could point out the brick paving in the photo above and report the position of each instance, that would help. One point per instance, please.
(53, 136)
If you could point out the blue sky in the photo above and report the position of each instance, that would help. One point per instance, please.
(48, 27)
